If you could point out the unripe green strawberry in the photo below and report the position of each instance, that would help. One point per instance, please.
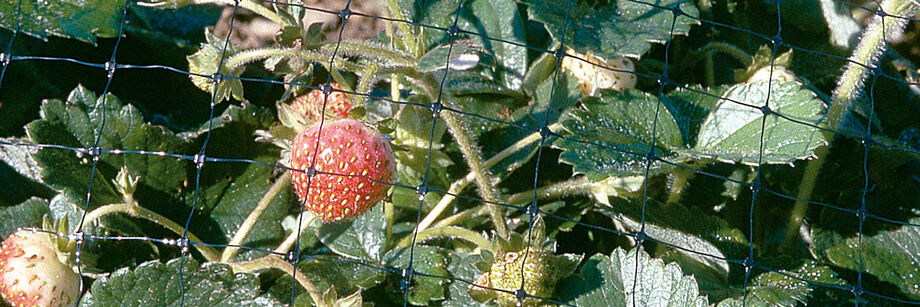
(353, 164)
(506, 275)
(311, 105)
(31, 273)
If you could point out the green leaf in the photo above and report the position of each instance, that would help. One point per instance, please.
(609, 281)
(156, 284)
(890, 256)
(614, 132)
(462, 266)
(27, 214)
(17, 168)
(778, 289)
(461, 55)
(692, 229)
(426, 260)
(75, 124)
(345, 275)
(732, 132)
(229, 191)
(624, 29)
(499, 20)
(83, 20)
(362, 238)
(204, 62)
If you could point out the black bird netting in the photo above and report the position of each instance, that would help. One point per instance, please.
(579, 152)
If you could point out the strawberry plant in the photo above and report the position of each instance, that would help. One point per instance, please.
(474, 152)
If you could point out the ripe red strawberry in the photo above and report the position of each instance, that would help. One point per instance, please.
(311, 105)
(353, 163)
(31, 273)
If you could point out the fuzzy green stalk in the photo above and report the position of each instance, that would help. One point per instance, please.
(867, 53)
(461, 133)
(457, 186)
(252, 55)
(250, 222)
(408, 37)
(575, 186)
(449, 232)
(379, 52)
(367, 79)
(274, 262)
(133, 210)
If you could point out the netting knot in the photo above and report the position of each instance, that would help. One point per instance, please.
(199, 160)
(436, 108)
(640, 238)
(559, 53)
(862, 214)
(291, 256)
(110, 68)
(748, 263)
(345, 14)
(453, 30)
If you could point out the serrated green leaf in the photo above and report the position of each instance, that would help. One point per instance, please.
(204, 63)
(891, 256)
(229, 191)
(708, 237)
(623, 29)
(426, 260)
(778, 289)
(18, 169)
(345, 275)
(462, 266)
(26, 214)
(81, 20)
(614, 132)
(609, 281)
(157, 284)
(732, 132)
(499, 21)
(74, 124)
(362, 238)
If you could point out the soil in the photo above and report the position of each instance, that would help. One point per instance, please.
(252, 31)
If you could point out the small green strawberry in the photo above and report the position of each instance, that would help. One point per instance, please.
(515, 260)
(354, 163)
(311, 105)
(31, 273)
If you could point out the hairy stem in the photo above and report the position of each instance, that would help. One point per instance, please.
(460, 184)
(232, 249)
(140, 212)
(451, 232)
(574, 186)
(867, 53)
(275, 262)
(461, 133)
(252, 55)
(408, 38)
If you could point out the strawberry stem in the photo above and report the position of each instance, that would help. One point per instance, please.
(274, 262)
(285, 246)
(451, 232)
(233, 247)
(459, 130)
(867, 53)
(140, 212)
(457, 186)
